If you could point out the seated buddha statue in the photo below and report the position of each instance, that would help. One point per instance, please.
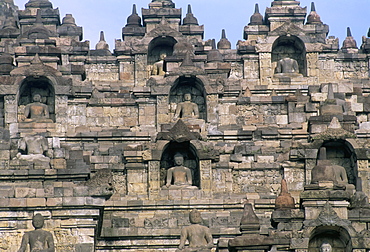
(37, 111)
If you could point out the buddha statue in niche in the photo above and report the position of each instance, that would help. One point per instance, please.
(287, 66)
(179, 176)
(37, 111)
(325, 173)
(186, 109)
(158, 66)
(326, 247)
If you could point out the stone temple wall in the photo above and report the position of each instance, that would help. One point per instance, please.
(274, 135)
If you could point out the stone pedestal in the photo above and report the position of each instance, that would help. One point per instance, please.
(38, 161)
(287, 219)
(180, 194)
(313, 202)
(36, 127)
(289, 79)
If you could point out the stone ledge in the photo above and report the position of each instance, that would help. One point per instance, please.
(44, 174)
(118, 202)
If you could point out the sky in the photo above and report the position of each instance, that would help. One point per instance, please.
(232, 15)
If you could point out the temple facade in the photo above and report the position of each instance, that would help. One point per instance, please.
(266, 146)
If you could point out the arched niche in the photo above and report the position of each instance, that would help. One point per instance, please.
(159, 46)
(290, 47)
(31, 86)
(193, 86)
(191, 160)
(337, 237)
(341, 153)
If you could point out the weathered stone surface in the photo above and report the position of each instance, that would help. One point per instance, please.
(258, 113)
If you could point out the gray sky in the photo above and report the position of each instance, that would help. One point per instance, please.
(111, 15)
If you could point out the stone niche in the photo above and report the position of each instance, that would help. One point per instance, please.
(337, 237)
(32, 86)
(343, 152)
(339, 153)
(191, 160)
(290, 47)
(158, 46)
(193, 86)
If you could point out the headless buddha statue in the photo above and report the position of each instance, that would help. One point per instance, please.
(325, 172)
